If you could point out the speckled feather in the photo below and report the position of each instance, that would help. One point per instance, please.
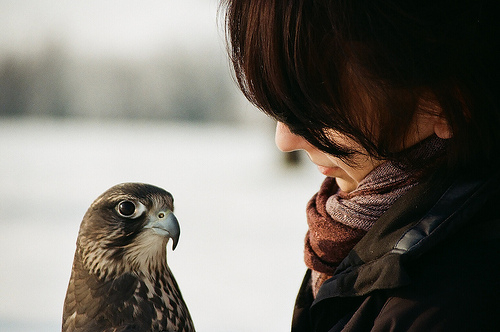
(120, 279)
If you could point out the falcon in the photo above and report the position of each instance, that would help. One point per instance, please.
(120, 280)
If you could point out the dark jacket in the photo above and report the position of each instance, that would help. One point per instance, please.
(430, 263)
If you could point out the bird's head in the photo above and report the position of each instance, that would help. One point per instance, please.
(126, 229)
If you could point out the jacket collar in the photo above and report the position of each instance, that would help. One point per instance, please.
(418, 221)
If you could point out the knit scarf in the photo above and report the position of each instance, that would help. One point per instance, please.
(338, 220)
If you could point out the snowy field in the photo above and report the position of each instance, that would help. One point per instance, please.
(242, 214)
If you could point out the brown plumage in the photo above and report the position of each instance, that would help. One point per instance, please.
(120, 279)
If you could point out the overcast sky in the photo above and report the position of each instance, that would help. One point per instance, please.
(94, 27)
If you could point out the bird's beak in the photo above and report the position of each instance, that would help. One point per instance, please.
(166, 224)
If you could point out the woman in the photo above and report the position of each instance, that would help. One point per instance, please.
(397, 103)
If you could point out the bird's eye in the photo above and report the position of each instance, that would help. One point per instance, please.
(130, 209)
(126, 208)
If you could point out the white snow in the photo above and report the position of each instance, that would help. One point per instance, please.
(242, 215)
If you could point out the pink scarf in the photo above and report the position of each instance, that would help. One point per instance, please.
(338, 220)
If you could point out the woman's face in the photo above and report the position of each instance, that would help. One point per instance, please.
(347, 177)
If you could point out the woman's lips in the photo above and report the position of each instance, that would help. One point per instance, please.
(328, 171)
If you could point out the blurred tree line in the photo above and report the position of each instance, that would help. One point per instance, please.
(180, 86)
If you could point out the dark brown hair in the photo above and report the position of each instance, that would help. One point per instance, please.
(361, 67)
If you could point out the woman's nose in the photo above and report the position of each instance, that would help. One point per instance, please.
(287, 141)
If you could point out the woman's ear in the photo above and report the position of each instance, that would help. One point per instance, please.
(429, 104)
(442, 128)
